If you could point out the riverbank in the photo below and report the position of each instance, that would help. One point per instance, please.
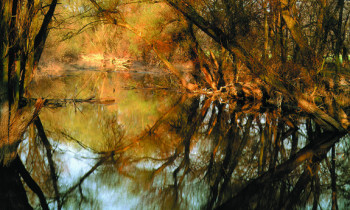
(157, 76)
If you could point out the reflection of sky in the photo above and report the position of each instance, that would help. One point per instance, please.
(114, 191)
(77, 164)
(104, 193)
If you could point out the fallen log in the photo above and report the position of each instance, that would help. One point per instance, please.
(65, 101)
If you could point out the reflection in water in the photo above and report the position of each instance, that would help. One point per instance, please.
(156, 150)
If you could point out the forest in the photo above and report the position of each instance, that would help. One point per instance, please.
(232, 90)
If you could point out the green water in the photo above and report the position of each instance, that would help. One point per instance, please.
(141, 146)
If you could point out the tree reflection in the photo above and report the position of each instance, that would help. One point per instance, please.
(265, 161)
(201, 153)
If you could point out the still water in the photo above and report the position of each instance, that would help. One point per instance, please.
(132, 144)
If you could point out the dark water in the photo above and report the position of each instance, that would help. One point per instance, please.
(151, 148)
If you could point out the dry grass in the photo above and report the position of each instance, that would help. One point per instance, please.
(51, 68)
(108, 61)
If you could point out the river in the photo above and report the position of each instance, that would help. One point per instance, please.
(123, 140)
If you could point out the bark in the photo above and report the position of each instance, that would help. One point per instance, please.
(326, 121)
(297, 33)
(319, 33)
(2, 46)
(200, 59)
(24, 46)
(11, 136)
(41, 37)
(12, 55)
(265, 53)
(339, 41)
(23, 63)
(283, 47)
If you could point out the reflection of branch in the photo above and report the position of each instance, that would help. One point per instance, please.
(160, 120)
(30, 182)
(170, 160)
(86, 175)
(149, 158)
(151, 130)
(238, 150)
(77, 141)
(308, 152)
(234, 148)
(194, 121)
(303, 181)
(48, 148)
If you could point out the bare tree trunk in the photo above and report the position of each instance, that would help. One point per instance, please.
(40, 38)
(297, 34)
(281, 35)
(2, 46)
(339, 43)
(265, 53)
(12, 56)
(25, 51)
(23, 63)
(197, 55)
(11, 136)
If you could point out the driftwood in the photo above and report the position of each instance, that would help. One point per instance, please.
(64, 102)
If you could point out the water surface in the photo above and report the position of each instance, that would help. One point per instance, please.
(131, 144)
